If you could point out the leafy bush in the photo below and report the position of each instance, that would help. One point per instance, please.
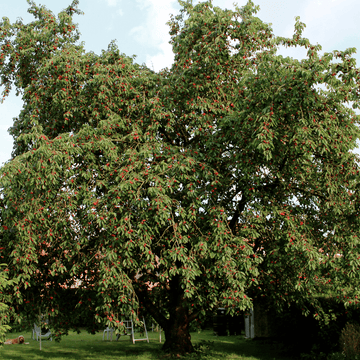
(337, 356)
(290, 326)
(342, 356)
(202, 350)
(313, 355)
(350, 340)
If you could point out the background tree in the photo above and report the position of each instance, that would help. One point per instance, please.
(229, 176)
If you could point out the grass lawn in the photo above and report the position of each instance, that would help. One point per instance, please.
(85, 346)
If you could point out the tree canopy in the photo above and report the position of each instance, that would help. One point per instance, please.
(228, 177)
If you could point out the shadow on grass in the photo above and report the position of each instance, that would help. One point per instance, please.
(237, 347)
(84, 346)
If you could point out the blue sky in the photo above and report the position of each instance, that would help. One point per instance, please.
(139, 26)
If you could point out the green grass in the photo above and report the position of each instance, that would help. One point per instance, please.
(85, 346)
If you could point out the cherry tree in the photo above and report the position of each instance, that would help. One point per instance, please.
(229, 177)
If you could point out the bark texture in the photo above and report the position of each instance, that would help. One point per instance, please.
(177, 335)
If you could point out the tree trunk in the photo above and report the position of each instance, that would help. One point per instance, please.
(176, 326)
(177, 335)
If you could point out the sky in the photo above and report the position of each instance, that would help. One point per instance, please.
(139, 27)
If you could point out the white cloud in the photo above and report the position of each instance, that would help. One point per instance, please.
(140, 33)
(8, 110)
(112, 3)
(154, 32)
(328, 22)
(142, 4)
(161, 60)
(157, 14)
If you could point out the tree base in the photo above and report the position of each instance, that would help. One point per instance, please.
(178, 343)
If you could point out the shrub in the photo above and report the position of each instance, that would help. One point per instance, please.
(350, 339)
(342, 356)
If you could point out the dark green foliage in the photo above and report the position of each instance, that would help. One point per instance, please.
(5, 284)
(294, 334)
(350, 339)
